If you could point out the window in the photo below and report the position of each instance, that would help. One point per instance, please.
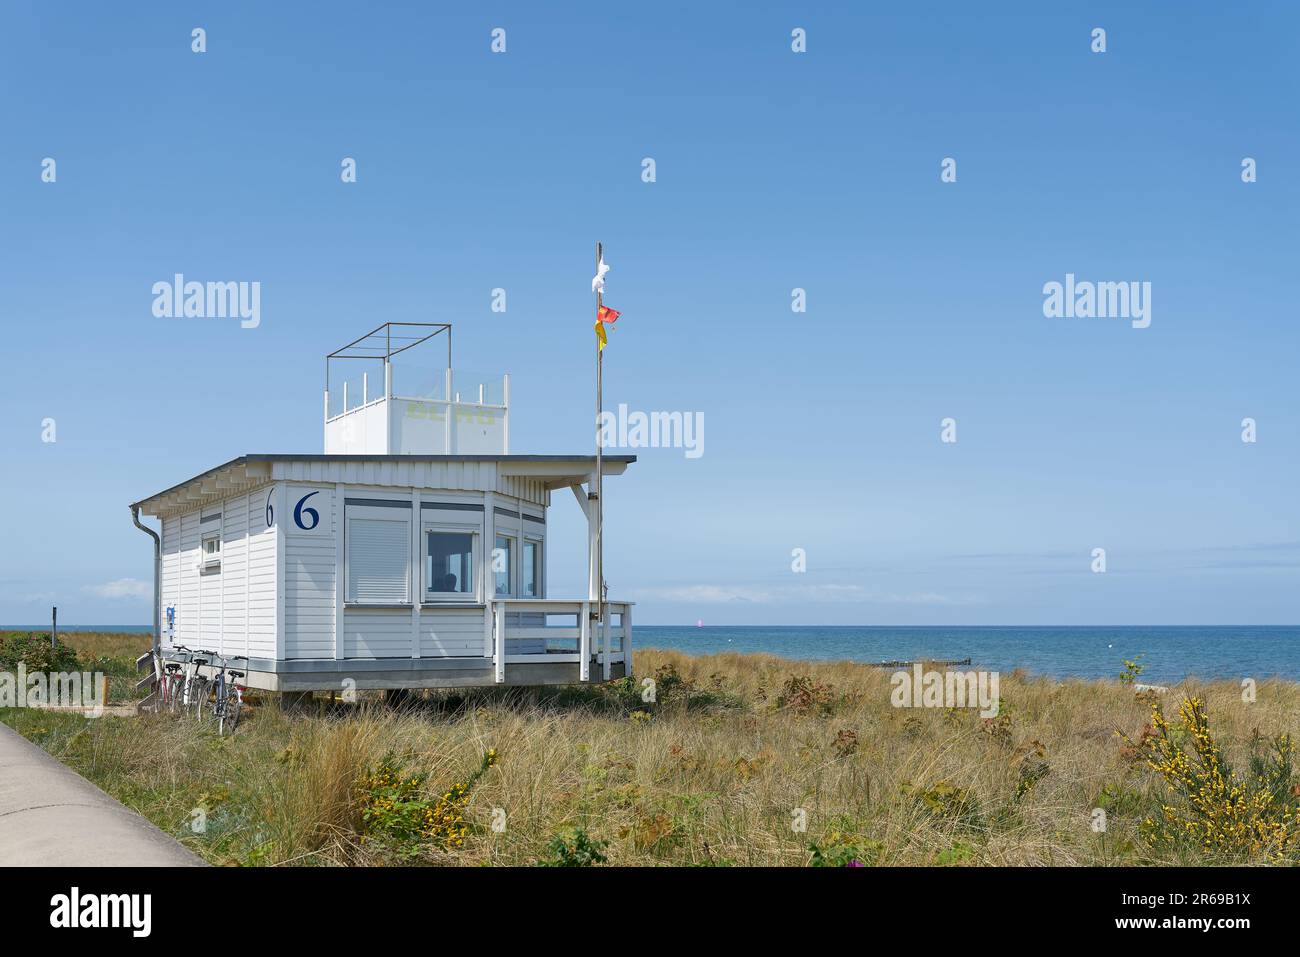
(378, 556)
(532, 570)
(502, 560)
(211, 553)
(449, 563)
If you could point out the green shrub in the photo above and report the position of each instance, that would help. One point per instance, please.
(35, 651)
(803, 695)
(845, 850)
(945, 800)
(398, 815)
(574, 850)
(1208, 806)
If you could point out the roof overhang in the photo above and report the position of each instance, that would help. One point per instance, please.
(248, 472)
(236, 476)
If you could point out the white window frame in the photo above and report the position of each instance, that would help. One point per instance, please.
(372, 513)
(213, 559)
(540, 570)
(475, 532)
(512, 576)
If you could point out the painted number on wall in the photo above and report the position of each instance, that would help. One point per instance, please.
(306, 518)
(270, 508)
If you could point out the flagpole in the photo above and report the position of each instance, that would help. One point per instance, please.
(599, 553)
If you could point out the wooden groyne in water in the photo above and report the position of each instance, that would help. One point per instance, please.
(963, 663)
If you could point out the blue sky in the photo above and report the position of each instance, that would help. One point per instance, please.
(775, 170)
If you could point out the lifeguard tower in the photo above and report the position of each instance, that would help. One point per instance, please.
(410, 554)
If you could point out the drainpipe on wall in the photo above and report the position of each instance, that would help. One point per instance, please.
(157, 588)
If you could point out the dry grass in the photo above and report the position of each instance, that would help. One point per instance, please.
(118, 646)
(715, 776)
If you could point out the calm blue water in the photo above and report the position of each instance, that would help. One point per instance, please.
(1170, 654)
(117, 629)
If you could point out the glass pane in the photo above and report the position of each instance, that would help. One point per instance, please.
(532, 570)
(449, 566)
(414, 381)
(474, 388)
(501, 565)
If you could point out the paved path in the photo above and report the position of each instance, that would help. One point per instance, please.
(51, 816)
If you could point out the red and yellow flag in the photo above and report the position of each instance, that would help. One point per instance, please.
(604, 315)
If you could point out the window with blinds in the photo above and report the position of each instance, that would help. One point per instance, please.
(379, 558)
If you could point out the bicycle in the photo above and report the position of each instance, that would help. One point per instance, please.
(229, 701)
(169, 688)
(195, 694)
(177, 681)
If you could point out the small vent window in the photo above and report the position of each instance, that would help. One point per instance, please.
(210, 554)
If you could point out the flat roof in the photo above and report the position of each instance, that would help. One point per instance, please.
(272, 457)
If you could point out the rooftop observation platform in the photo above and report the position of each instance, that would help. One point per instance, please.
(377, 404)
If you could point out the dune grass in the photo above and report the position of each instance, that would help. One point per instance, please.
(741, 760)
(111, 654)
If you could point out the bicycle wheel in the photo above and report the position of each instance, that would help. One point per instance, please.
(219, 692)
(172, 692)
(230, 715)
(199, 696)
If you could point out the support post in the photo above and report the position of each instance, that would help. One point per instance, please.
(604, 652)
(446, 428)
(593, 542)
(389, 445)
(498, 639)
(627, 640)
(584, 643)
(505, 416)
(597, 487)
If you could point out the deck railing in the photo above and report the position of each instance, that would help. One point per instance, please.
(523, 632)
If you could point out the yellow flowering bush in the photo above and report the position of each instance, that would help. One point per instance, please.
(398, 813)
(1210, 806)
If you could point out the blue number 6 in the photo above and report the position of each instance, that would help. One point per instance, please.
(270, 510)
(299, 511)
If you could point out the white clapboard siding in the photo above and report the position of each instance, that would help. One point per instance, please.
(423, 474)
(309, 593)
(261, 581)
(187, 610)
(170, 592)
(451, 633)
(386, 633)
(210, 588)
(234, 576)
(238, 608)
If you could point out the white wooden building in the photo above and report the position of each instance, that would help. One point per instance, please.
(411, 554)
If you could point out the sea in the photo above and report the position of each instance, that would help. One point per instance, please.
(1167, 653)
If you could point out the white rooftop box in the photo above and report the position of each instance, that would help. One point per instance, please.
(377, 404)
